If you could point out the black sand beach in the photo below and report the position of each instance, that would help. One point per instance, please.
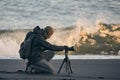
(90, 69)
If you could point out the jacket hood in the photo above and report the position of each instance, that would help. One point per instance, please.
(37, 29)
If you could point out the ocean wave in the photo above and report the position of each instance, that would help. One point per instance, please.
(104, 39)
(14, 34)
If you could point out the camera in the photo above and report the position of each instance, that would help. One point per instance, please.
(71, 48)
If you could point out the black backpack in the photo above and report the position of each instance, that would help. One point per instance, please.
(25, 47)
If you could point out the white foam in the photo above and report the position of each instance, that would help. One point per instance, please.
(71, 57)
(88, 57)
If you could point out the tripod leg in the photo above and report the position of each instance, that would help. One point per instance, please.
(70, 66)
(61, 66)
(67, 66)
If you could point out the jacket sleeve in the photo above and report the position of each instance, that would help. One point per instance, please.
(49, 46)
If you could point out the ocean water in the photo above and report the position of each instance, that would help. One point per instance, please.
(17, 15)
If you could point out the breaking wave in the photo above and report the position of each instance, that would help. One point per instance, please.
(85, 40)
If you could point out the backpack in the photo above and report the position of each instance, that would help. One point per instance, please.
(25, 47)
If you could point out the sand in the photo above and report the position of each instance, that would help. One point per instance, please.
(83, 69)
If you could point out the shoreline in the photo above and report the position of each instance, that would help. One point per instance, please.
(84, 69)
(87, 56)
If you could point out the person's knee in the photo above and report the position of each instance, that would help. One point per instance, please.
(49, 55)
(52, 53)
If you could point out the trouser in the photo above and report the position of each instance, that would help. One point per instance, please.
(44, 66)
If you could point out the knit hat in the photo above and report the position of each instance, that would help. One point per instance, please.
(49, 30)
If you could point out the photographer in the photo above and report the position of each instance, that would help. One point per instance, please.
(42, 51)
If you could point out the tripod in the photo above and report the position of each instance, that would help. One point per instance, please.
(68, 64)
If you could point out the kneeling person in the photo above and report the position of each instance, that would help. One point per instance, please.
(42, 51)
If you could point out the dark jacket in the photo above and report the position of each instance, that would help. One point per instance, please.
(39, 45)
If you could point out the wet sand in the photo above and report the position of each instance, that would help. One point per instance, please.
(89, 69)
